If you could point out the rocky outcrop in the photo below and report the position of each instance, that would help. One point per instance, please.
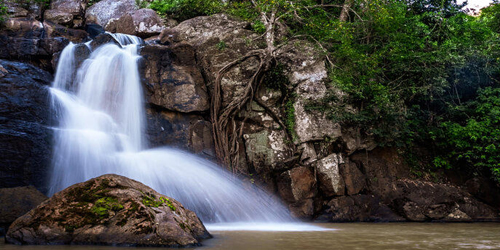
(70, 13)
(31, 9)
(104, 11)
(109, 210)
(29, 40)
(187, 131)
(15, 202)
(172, 79)
(143, 23)
(425, 201)
(25, 136)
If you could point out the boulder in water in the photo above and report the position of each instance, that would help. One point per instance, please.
(15, 202)
(109, 210)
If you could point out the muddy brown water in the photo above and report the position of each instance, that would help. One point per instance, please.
(345, 236)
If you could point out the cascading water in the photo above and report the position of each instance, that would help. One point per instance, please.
(101, 121)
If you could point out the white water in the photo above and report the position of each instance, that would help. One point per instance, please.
(101, 130)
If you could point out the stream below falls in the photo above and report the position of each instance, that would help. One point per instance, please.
(371, 236)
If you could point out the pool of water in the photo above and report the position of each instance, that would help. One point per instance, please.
(339, 236)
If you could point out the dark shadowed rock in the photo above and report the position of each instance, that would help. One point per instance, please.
(27, 40)
(425, 201)
(31, 9)
(94, 30)
(25, 136)
(143, 23)
(297, 184)
(358, 208)
(109, 210)
(103, 11)
(187, 131)
(354, 179)
(15, 202)
(381, 166)
(53, 30)
(172, 79)
(103, 39)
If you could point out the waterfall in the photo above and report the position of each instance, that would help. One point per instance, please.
(101, 118)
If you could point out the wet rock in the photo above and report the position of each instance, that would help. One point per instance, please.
(103, 11)
(143, 23)
(192, 132)
(330, 181)
(67, 12)
(381, 166)
(103, 39)
(297, 184)
(354, 179)
(356, 209)
(53, 30)
(29, 8)
(302, 209)
(94, 30)
(484, 189)
(426, 201)
(172, 79)
(15, 202)
(109, 210)
(25, 136)
(25, 39)
(23, 27)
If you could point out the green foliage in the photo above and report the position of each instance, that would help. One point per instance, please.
(258, 27)
(92, 2)
(185, 9)
(3, 11)
(290, 119)
(475, 141)
(221, 45)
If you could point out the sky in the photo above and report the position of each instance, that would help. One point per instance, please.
(477, 3)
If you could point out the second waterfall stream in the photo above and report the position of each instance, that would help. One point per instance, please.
(100, 112)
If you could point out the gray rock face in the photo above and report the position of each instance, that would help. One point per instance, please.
(15, 202)
(172, 79)
(67, 12)
(109, 210)
(143, 23)
(103, 11)
(25, 136)
(328, 170)
(308, 74)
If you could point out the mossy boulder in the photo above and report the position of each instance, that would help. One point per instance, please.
(109, 210)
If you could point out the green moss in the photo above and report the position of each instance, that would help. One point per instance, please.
(149, 200)
(290, 119)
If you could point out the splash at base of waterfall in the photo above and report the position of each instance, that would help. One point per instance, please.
(267, 226)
